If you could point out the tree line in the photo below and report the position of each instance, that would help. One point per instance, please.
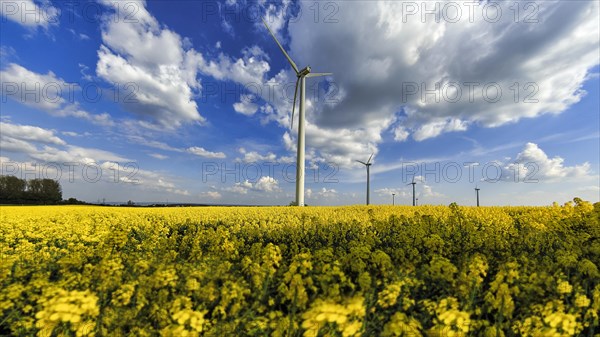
(14, 190)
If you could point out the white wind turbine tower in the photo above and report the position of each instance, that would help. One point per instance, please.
(302, 74)
(368, 165)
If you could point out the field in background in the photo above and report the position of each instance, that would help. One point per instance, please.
(314, 271)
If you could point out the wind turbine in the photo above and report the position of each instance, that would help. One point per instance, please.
(393, 199)
(368, 165)
(413, 184)
(477, 193)
(301, 74)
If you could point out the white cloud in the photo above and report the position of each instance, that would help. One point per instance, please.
(45, 92)
(327, 193)
(430, 193)
(371, 70)
(251, 68)
(215, 195)
(401, 134)
(75, 154)
(343, 146)
(145, 180)
(254, 157)
(267, 184)
(275, 16)
(138, 50)
(158, 156)
(195, 150)
(201, 152)
(246, 106)
(79, 36)
(75, 165)
(33, 89)
(43, 145)
(436, 128)
(29, 13)
(533, 164)
(263, 184)
(387, 192)
(30, 133)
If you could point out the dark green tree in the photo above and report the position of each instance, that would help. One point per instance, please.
(51, 191)
(12, 189)
(34, 190)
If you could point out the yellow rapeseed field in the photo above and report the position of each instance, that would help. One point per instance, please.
(288, 271)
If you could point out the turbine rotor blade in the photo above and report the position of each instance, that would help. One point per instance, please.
(362, 162)
(371, 157)
(318, 74)
(281, 47)
(294, 106)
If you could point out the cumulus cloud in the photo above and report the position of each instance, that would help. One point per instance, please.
(263, 184)
(246, 70)
(246, 106)
(383, 84)
(45, 92)
(327, 193)
(201, 152)
(215, 195)
(254, 157)
(136, 49)
(533, 164)
(29, 13)
(164, 67)
(267, 184)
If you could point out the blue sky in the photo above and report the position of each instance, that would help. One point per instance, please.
(190, 101)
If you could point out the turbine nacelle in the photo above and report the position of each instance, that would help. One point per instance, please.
(304, 72)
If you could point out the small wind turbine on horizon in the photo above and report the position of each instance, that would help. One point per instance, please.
(368, 165)
(393, 199)
(413, 188)
(477, 193)
(301, 74)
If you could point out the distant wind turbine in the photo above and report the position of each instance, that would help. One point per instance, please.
(393, 199)
(477, 193)
(302, 74)
(414, 196)
(368, 165)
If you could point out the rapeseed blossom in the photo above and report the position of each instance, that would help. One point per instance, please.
(313, 271)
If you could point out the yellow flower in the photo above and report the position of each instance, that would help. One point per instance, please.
(564, 287)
